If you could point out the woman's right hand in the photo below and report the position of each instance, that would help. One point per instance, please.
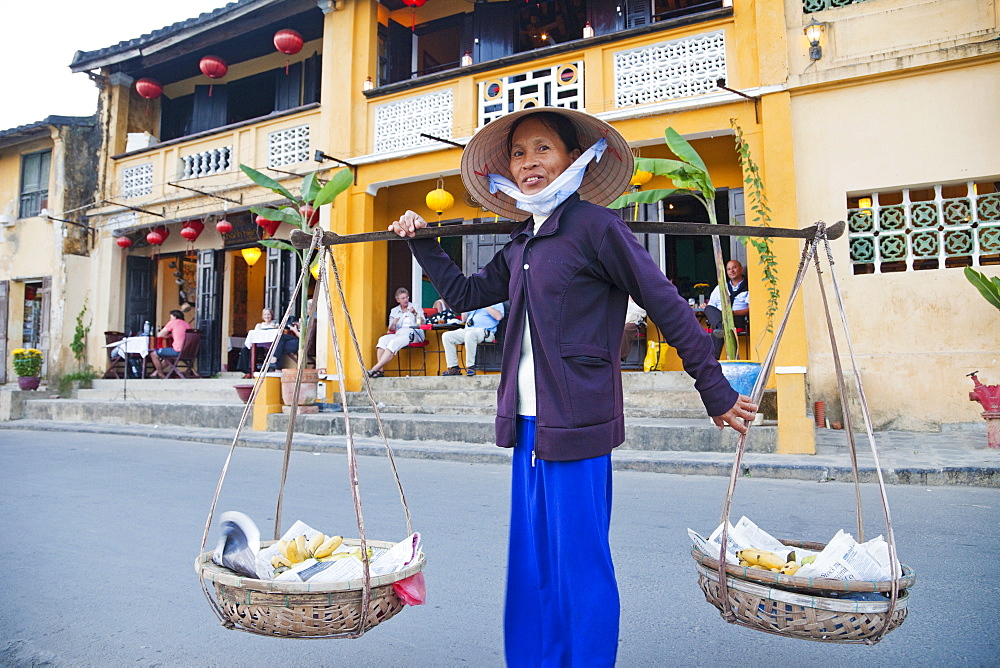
(408, 224)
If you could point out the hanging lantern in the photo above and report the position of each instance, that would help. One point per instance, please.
(640, 178)
(224, 226)
(155, 237)
(413, 4)
(213, 67)
(191, 230)
(288, 42)
(251, 255)
(123, 242)
(439, 200)
(314, 270)
(149, 89)
(270, 226)
(309, 214)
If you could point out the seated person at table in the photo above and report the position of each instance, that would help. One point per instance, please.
(289, 342)
(176, 329)
(635, 322)
(480, 326)
(267, 322)
(739, 298)
(404, 329)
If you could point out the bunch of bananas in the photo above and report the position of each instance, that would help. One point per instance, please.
(320, 546)
(765, 560)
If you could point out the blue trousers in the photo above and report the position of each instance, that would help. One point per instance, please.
(562, 605)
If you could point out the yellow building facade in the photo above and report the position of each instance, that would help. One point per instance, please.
(46, 180)
(392, 92)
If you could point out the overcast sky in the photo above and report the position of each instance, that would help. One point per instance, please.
(40, 39)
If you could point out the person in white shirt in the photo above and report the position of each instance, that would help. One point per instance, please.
(404, 329)
(739, 298)
(480, 326)
(635, 321)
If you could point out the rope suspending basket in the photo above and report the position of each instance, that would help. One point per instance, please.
(821, 609)
(287, 609)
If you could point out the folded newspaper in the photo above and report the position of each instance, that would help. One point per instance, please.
(843, 558)
(239, 550)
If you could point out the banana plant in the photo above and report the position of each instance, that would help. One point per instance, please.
(301, 211)
(988, 287)
(690, 177)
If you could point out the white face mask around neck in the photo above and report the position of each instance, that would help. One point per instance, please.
(545, 201)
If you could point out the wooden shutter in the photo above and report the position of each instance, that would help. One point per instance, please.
(738, 213)
(494, 28)
(138, 293)
(209, 112)
(637, 13)
(400, 52)
(606, 16)
(209, 311)
(288, 87)
(312, 79)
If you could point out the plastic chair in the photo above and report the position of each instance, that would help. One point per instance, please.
(412, 370)
(186, 358)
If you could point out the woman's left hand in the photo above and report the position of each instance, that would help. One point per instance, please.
(408, 224)
(735, 416)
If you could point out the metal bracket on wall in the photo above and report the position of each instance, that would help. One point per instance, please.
(134, 208)
(721, 83)
(320, 156)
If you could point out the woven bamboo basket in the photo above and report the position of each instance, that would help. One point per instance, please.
(805, 616)
(302, 609)
(797, 584)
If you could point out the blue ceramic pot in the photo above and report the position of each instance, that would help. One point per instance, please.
(741, 374)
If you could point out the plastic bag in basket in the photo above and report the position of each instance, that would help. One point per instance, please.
(413, 590)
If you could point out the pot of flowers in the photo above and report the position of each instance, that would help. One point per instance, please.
(28, 366)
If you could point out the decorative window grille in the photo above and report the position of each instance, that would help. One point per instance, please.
(288, 146)
(137, 181)
(556, 86)
(670, 70)
(206, 163)
(926, 228)
(809, 6)
(398, 125)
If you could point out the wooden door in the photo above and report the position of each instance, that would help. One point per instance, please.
(209, 310)
(139, 296)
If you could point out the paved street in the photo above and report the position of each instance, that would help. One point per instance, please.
(78, 508)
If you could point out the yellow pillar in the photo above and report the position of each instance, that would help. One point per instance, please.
(796, 435)
(268, 401)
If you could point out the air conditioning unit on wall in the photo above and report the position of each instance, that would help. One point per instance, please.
(6, 220)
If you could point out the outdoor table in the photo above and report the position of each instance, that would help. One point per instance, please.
(134, 345)
(257, 337)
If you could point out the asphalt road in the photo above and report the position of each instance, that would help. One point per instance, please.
(100, 534)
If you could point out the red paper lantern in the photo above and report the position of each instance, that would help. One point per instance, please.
(148, 88)
(413, 4)
(270, 226)
(191, 230)
(309, 214)
(123, 242)
(213, 67)
(154, 237)
(224, 226)
(288, 41)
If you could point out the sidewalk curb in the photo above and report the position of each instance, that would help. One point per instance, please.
(818, 468)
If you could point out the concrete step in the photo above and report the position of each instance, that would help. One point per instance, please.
(213, 390)
(133, 411)
(662, 394)
(659, 434)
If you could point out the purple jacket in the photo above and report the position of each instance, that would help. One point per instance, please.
(574, 278)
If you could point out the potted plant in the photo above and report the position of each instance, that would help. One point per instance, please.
(27, 366)
(301, 211)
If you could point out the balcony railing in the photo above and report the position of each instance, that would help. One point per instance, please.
(271, 141)
(206, 163)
